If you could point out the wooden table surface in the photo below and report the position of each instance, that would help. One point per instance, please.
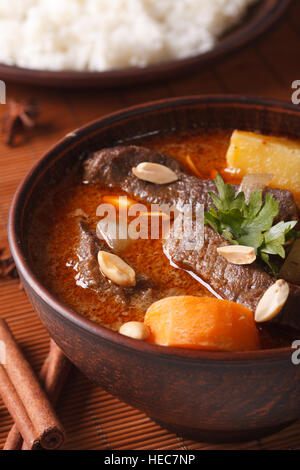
(93, 419)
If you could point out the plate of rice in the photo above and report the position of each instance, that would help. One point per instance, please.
(120, 42)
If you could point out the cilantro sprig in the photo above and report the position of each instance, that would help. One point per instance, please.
(250, 224)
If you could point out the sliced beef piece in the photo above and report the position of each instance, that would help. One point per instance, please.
(89, 275)
(242, 284)
(113, 167)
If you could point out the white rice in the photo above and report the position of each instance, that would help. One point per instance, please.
(109, 34)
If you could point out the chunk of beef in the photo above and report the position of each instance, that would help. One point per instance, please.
(241, 284)
(89, 275)
(113, 167)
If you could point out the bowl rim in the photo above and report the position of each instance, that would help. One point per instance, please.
(269, 13)
(71, 139)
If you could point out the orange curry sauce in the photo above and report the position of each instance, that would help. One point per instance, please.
(54, 233)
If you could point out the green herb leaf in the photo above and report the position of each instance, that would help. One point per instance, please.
(228, 236)
(252, 238)
(279, 230)
(273, 267)
(250, 224)
(226, 192)
(264, 218)
(212, 221)
(275, 238)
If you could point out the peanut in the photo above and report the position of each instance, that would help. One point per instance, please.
(135, 329)
(115, 269)
(154, 173)
(237, 254)
(272, 301)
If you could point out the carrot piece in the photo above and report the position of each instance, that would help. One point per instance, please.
(202, 323)
(192, 166)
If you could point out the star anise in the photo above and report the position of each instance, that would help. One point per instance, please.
(8, 268)
(21, 114)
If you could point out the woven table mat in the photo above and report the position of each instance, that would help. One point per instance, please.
(94, 419)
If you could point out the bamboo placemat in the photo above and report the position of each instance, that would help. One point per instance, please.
(94, 419)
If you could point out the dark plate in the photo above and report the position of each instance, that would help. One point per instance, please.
(260, 18)
(205, 394)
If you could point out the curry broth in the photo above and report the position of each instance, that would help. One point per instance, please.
(54, 233)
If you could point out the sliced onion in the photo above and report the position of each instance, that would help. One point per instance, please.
(290, 270)
(253, 182)
(192, 166)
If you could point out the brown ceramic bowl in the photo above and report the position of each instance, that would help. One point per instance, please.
(260, 18)
(217, 396)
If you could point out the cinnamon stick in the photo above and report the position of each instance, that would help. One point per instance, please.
(15, 407)
(54, 372)
(25, 399)
(53, 375)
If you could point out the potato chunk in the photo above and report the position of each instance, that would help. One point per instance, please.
(254, 153)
